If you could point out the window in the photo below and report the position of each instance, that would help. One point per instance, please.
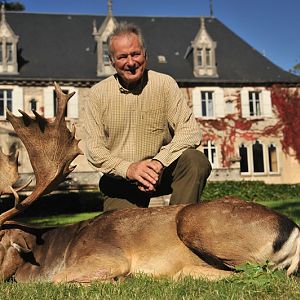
(199, 57)
(258, 157)
(9, 52)
(209, 150)
(32, 104)
(243, 151)
(1, 53)
(207, 104)
(208, 56)
(272, 156)
(5, 101)
(254, 103)
(105, 54)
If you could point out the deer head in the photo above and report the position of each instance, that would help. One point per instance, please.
(51, 147)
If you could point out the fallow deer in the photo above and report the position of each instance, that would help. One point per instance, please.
(200, 240)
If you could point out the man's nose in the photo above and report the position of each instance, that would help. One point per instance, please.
(130, 60)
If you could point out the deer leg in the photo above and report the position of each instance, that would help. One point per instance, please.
(202, 272)
(95, 268)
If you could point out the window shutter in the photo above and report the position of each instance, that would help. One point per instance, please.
(267, 103)
(197, 103)
(245, 103)
(17, 100)
(219, 104)
(73, 105)
(48, 102)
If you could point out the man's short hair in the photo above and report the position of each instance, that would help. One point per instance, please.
(125, 28)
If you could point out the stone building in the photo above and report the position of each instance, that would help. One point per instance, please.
(248, 108)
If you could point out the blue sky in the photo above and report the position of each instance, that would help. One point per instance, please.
(270, 26)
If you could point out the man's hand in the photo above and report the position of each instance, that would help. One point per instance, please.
(145, 173)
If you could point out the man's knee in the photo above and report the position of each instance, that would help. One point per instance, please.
(196, 162)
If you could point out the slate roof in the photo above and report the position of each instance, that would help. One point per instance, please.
(61, 47)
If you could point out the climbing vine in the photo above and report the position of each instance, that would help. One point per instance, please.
(287, 105)
(226, 130)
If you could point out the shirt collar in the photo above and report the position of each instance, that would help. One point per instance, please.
(137, 89)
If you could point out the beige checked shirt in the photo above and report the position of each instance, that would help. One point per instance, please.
(122, 127)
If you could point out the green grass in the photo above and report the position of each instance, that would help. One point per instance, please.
(58, 220)
(255, 282)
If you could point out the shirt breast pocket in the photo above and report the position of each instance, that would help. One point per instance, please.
(153, 120)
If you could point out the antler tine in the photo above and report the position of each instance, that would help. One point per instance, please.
(62, 101)
(51, 148)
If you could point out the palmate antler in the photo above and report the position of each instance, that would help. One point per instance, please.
(51, 148)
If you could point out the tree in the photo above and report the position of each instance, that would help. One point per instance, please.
(296, 69)
(15, 6)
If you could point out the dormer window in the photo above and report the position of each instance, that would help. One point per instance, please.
(8, 47)
(105, 54)
(204, 54)
(104, 67)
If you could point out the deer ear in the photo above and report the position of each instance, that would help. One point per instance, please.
(21, 247)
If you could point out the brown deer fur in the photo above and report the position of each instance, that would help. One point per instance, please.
(204, 240)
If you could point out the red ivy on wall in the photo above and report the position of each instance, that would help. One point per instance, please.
(287, 105)
(227, 129)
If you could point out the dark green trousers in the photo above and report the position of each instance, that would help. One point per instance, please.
(185, 179)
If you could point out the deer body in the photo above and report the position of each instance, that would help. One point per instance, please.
(204, 240)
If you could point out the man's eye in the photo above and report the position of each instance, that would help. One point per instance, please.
(122, 57)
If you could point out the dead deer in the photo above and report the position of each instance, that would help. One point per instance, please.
(200, 240)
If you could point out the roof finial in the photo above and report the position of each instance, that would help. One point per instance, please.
(202, 23)
(2, 12)
(109, 4)
(211, 9)
(94, 28)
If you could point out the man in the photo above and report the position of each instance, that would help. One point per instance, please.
(140, 132)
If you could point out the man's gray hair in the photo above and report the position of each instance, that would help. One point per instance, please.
(125, 28)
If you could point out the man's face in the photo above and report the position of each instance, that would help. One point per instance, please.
(129, 58)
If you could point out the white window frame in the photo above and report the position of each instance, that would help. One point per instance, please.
(255, 101)
(217, 102)
(207, 101)
(213, 158)
(72, 106)
(265, 103)
(265, 159)
(17, 99)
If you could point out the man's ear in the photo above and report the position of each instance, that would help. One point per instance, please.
(111, 61)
